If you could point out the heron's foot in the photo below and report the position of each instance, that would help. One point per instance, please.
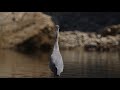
(56, 76)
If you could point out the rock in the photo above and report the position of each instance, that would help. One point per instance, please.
(68, 40)
(117, 37)
(98, 36)
(92, 35)
(111, 30)
(72, 39)
(16, 28)
(90, 46)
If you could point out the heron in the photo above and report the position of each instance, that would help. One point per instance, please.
(56, 62)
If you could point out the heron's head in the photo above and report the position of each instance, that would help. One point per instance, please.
(58, 27)
(57, 30)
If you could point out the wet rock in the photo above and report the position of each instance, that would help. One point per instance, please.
(91, 46)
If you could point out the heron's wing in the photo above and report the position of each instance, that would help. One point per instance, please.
(57, 62)
(53, 67)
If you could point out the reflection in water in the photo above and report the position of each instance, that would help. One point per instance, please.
(81, 64)
(78, 64)
(14, 64)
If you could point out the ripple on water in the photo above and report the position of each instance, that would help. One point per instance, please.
(77, 64)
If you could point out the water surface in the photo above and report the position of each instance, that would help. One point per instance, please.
(78, 64)
(82, 64)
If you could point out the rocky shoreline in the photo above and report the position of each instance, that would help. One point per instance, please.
(91, 41)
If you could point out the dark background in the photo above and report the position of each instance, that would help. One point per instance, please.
(85, 21)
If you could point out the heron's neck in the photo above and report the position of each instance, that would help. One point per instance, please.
(56, 45)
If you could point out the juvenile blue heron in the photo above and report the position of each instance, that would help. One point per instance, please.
(56, 61)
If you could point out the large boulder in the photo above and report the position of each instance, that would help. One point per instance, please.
(17, 28)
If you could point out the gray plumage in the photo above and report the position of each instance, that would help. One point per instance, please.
(56, 61)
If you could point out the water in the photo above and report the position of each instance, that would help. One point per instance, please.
(78, 64)
(19, 65)
(81, 64)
